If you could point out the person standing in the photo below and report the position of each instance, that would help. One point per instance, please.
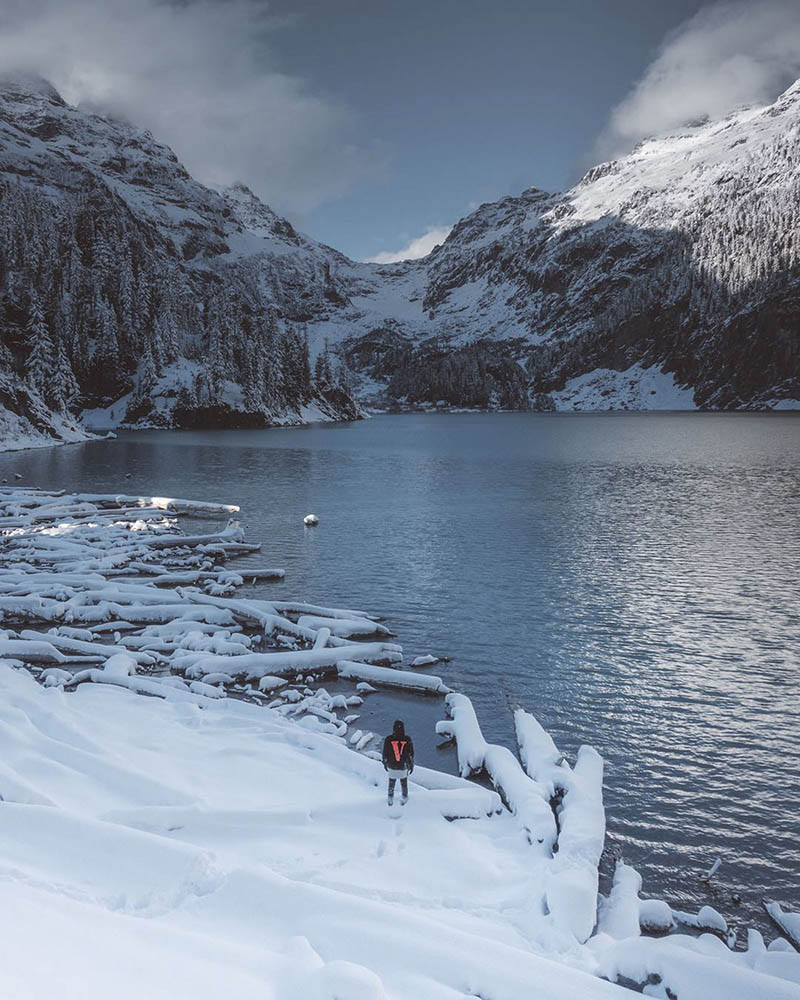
(398, 760)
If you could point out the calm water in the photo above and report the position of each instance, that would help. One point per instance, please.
(632, 579)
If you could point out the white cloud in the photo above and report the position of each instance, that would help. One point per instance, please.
(416, 248)
(728, 55)
(200, 76)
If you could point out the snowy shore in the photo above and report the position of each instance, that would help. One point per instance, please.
(228, 831)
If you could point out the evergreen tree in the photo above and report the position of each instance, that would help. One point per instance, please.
(63, 389)
(39, 362)
(6, 360)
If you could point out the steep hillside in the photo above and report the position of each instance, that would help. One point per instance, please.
(681, 258)
(133, 293)
(124, 280)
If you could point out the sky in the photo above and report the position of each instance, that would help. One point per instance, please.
(374, 125)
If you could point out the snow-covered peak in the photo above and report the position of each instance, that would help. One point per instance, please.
(664, 176)
(29, 85)
(256, 216)
(792, 92)
(41, 135)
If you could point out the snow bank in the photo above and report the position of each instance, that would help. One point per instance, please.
(636, 388)
(693, 969)
(27, 422)
(229, 824)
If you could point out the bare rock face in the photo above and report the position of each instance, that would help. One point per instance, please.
(133, 293)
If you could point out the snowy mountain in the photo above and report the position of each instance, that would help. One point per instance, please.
(131, 292)
(676, 266)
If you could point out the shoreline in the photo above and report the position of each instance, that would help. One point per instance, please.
(95, 435)
(130, 594)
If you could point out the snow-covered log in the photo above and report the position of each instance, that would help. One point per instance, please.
(139, 685)
(789, 923)
(655, 916)
(321, 641)
(347, 628)
(540, 757)
(255, 665)
(31, 609)
(386, 676)
(162, 578)
(706, 919)
(172, 504)
(31, 651)
(96, 649)
(525, 798)
(149, 614)
(618, 914)
(572, 883)
(300, 608)
(464, 728)
(232, 533)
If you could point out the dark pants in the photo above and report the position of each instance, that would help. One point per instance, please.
(403, 787)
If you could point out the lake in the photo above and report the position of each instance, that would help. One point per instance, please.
(631, 579)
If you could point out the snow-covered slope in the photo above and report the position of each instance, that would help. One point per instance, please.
(682, 255)
(229, 852)
(123, 278)
(27, 422)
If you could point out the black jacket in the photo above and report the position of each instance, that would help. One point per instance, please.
(398, 752)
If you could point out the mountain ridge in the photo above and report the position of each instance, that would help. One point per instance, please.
(676, 265)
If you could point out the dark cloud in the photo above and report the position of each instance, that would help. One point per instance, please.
(202, 76)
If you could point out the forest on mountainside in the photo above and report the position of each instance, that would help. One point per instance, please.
(95, 305)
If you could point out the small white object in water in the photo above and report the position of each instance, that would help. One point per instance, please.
(311, 519)
(425, 661)
(713, 869)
